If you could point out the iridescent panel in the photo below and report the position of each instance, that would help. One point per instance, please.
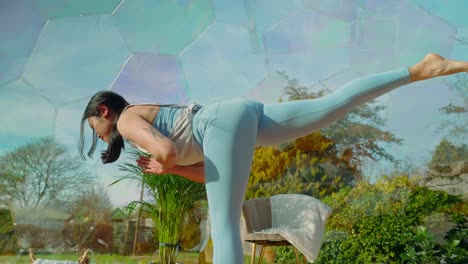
(25, 115)
(215, 71)
(453, 11)
(163, 26)
(149, 78)
(63, 8)
(346, 10)
(395, 34)
(20, 26)
(76, 57)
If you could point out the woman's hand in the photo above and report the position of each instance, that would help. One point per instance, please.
(151, 165)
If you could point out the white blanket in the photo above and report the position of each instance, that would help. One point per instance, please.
(300, 219)
(45, 261)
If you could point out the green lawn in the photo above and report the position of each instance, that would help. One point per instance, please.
(183, 258)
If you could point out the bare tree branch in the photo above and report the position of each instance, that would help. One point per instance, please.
(41, 173)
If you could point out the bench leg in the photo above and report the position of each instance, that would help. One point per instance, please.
(262, 252)
(297, 256)
(254, 248)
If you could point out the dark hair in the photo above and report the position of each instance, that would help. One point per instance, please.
(116, 104)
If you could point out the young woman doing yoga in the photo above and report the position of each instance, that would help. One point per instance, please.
(214, 144)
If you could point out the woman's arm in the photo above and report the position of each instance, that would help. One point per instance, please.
(195, 172)
(136, 129)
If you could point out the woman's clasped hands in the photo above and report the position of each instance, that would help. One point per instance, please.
(150, 165)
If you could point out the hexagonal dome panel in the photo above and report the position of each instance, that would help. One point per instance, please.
(264, 14)
(20, 25)
(461, 48)
(149, 78)
(67, 124)
(346, 10)
(216, 71)
(269, 89)
(63, 8)
(301, 45)
(231, 12)
(25, 115)
(163, 26)
(384, 37)
(455, 16)
(76, 57)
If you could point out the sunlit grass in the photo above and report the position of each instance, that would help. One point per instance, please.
(183, 258)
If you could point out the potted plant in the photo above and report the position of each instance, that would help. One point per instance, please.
(171, 198)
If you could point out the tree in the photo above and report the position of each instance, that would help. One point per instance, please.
(455, 125)
(7, 234)
(445, 154)
(307, 165)
(93, 205)
(42, 173)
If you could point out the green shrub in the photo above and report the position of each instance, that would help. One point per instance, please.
(373, 239)
(454, 250)
(422, 202)
(378, 221)
(332, 248)
(285, 255)
(7, 234)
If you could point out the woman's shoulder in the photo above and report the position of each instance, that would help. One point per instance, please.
(134, 112)
(136, 108)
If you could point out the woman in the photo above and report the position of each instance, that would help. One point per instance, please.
(215, 144)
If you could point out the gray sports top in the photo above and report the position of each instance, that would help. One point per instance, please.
(175, 122)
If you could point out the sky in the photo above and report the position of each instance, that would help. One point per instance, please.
(54, 54)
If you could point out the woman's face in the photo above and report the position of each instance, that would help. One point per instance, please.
(102, 125)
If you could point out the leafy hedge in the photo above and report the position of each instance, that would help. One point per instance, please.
(385, 223)
(7, 236)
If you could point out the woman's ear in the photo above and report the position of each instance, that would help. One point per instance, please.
(104, 110)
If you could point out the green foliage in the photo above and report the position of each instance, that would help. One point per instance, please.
(459, 231)
(332, 250)
(184, 257)
(374, 239)
(386, 196)
(7, 236)
(424, 249)
(285, 255)
(455, 125)
(172, 198)
(191, 233)
(375, 223)
(378, 238)
(423, 201)
(446, 153)
(308, 165)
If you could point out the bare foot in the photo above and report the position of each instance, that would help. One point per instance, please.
(434, 65)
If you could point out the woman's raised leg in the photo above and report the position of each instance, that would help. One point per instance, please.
(290, 120)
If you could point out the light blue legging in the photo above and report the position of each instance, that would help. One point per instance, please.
(230, 130)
